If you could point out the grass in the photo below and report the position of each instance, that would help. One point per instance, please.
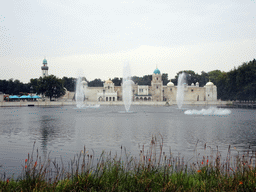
(152, 170)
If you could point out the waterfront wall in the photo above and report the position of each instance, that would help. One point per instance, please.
(70, 103)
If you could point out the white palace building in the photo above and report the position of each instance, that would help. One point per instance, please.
(193, 94)
(156, 92)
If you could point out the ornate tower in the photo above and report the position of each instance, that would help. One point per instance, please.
(157, 85)
(210, 92)
(44, 68)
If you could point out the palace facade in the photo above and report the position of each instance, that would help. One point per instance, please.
(156, 92)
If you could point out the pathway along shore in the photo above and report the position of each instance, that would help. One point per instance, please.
(70, 103)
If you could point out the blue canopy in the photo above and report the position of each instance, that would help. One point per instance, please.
(14, 97)
(35, 97)
(24, 97)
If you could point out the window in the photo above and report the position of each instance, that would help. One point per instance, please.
(157, 78)
(106, 98)
(157, 87)
(170, 89)
(113, 98)
(192, 90)
(109, 98)
(108, 87)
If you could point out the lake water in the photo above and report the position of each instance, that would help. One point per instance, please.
(66, 130)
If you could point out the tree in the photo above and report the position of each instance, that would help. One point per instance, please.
(51, 86)
(165, 78)
(69, 83)
(95, 83)
(191, 77)
(117, 81)
(145, 80)
(33, 85)
(204, 78)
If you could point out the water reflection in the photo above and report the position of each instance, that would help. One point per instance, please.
(47, 130)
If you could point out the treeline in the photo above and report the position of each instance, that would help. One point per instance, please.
(237, 84)
(37, 85)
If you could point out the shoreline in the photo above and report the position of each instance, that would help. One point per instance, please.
(73, 103)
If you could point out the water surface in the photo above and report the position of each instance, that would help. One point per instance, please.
(66, 130)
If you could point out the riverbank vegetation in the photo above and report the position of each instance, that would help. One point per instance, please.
(151, 170)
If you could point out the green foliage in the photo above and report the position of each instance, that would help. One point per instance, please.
(13, 87)
(145, 80)
(69, 83)
(117, 81)
(51, 86)
(95, 83)
(191, 77)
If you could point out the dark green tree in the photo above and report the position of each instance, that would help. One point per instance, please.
(33, 86)
(3, 86)
(165, 78)
(69, 83)
(117, 81)
(95, 83)
(51, 86)
(191, 77)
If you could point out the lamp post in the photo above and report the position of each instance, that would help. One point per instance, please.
(104, 94)
(133, 93)
(163, 95)
(31, 90)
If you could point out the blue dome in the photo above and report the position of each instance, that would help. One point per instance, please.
(44, 61)
(156, 71)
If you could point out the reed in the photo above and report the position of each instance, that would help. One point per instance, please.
(151, 170)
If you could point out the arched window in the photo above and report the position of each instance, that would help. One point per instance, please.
(109, 98)
(157, 87)
(113, 98)
(157, 78)
(106, 98)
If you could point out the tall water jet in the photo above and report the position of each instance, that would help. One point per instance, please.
(127, 87)
(79, 95)
(180, 89)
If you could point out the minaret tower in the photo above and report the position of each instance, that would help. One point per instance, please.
(44, 68)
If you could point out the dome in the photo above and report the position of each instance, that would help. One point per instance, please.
(209, 83)
(108, 81)
(156, 71)
(84, 82)
(132, 82)
(170, 84)
(44, 61)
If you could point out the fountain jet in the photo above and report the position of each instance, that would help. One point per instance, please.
(79, 93)
(180, 89)
(127, 87)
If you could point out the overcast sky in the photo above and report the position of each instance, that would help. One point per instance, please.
(97, 37)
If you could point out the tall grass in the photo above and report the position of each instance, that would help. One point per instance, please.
(151, 170)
